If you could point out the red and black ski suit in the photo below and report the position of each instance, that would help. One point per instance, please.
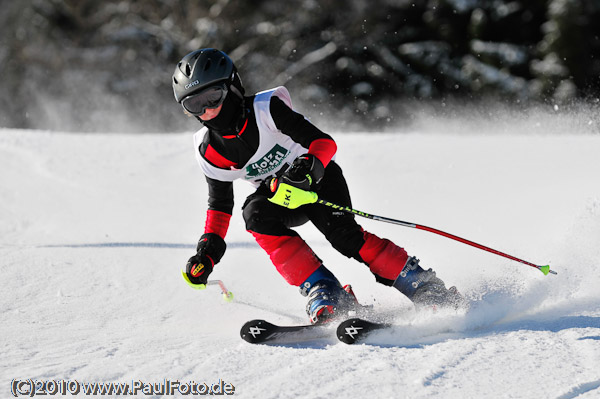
(271, 225)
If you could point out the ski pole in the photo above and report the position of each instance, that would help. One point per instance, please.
(293, 197)
(227, 295)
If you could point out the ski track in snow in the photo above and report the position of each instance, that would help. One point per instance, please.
(96, 227)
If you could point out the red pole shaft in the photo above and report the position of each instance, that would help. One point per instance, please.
(543, 269)
(474, 244)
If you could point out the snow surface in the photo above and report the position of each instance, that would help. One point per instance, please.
(94, 229)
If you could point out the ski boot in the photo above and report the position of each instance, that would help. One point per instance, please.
(424, 289)
(327, 299)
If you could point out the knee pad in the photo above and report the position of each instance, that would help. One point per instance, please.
(291, 256)
(385, 259)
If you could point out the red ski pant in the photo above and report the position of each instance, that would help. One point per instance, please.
(271, 225)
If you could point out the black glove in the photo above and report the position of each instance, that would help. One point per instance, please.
(210, 250)
(305, 173)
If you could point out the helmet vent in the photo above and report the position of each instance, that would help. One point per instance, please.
(207, 65)
(175, 81)
(188, 70)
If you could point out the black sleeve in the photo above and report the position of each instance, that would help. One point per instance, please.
(220, 195)
(294, 124)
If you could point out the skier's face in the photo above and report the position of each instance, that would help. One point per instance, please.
(210, 113)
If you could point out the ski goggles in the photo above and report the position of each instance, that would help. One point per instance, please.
(212, 97)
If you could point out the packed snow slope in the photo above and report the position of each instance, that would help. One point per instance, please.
(94, 229)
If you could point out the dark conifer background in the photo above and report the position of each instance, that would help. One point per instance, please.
(87, 65)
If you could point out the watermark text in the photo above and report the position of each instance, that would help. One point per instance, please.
(31, 388)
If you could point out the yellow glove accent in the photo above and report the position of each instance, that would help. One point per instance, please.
(195, 286)
(292, 197)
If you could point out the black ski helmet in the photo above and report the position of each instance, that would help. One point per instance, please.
(204, 68)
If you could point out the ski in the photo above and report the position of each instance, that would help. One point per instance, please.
(261, 332)
(353, 330)
(348, 331)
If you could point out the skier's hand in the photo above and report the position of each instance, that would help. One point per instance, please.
(305, 173)
(197, 270)
(209, 252)
(292, 189)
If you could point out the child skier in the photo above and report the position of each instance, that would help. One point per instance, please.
(260, 139)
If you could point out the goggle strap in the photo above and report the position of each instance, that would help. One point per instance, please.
(236, 91)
